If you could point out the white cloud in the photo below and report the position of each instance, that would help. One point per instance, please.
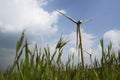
(42, 2)
(88, 39)
(16, 15)
(72, 50)
(88, 44)
(109, 36)
(113, 36)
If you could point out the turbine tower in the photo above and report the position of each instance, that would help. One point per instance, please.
(79, 44)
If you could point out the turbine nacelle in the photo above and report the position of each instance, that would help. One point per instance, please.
(85, 21)
(79, 22)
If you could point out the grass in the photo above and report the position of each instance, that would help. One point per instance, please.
(41, 65)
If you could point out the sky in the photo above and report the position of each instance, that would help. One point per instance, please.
(44, 25)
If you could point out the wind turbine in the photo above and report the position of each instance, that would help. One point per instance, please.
(90, 54)
(79, 44)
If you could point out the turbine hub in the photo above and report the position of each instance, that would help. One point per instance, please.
(79, 22)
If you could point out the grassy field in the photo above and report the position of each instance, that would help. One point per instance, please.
(40, 64)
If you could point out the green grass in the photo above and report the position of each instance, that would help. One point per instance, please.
(41, 65)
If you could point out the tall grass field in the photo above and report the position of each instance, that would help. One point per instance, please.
(41, 64)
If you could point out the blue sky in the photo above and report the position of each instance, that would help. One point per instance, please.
(44, 25)
(105, 12)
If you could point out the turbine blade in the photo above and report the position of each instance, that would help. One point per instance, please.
(86, 52)
(85, 21)
(67, 16)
